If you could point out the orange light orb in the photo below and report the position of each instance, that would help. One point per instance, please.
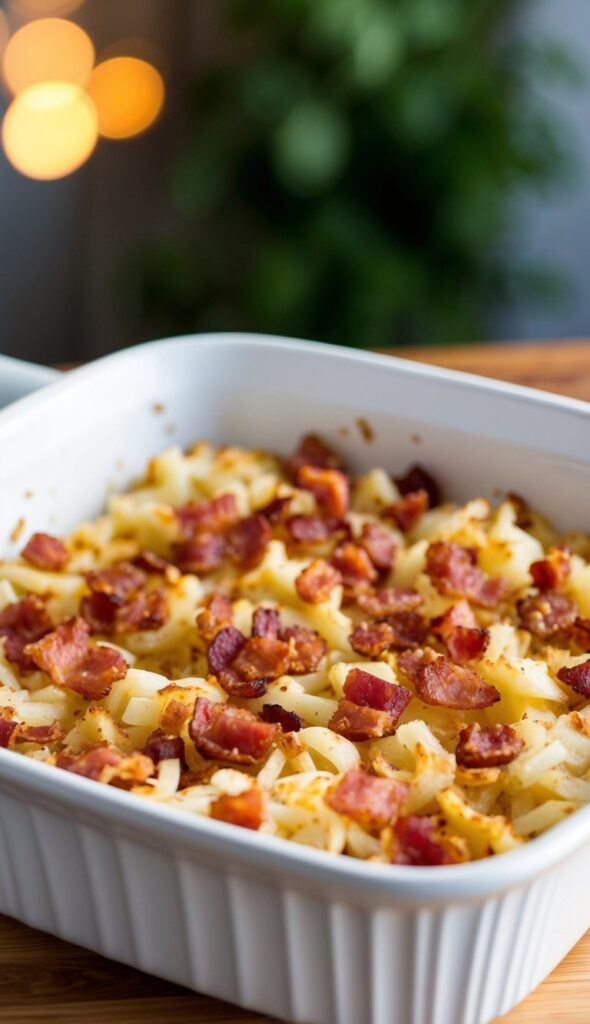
(128, 94)
(50, 130)
(48, 50)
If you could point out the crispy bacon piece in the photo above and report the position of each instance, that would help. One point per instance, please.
(330, 487)
(372, 638)
(207, 517)
(316, 582)
(358, 722)
(460, 633)
(22, 623)
(244, 688)
(547, 614)
(315, 530)
(266, 622)
(371, 801)
(149, 561)
(411, 661)
(118, 582)
(224, 733)
(368, 690)
(247, 540)
(578, 677)
(306, 649)
(311, 451)
(407, 510)
(104, 614)
(380, 546)
(278, 715)
(216, 614)
(91, 764)
(52, 733)
(69, 660)
(202, 555)
(162, 747)
(46, 552)
(417, 478)
(551, 572)
(453, 686)
(262, 657)
(355, 566)
(246, 809)
(388, 601)
(581, 633)
(453, 571)
(274, 511)
(224, 648)
(417, 841)
(7, 727)
(487, 747)
(409, 630)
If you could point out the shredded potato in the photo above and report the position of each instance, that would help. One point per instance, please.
(453, 727)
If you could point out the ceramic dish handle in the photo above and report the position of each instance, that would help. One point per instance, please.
(19, 378)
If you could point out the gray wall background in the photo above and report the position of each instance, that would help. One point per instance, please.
(61, 241)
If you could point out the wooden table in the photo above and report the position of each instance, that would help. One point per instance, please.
(43, 979)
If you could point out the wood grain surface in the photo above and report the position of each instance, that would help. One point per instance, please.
(44, 979)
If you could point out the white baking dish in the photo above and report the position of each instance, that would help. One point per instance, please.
(270, 925)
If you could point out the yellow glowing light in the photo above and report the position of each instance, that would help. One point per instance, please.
(128, 94)
(49, 130)
(48, 50)
(44, 8)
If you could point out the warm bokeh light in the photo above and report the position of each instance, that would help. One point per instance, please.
(48, 50)
(128, 94)
(49, 130)
(45, 8)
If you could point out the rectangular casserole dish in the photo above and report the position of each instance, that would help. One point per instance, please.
(274, 926)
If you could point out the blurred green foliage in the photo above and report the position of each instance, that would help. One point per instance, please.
(349, 177)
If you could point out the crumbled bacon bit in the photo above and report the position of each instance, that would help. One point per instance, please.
(216, 614)
(577, 676)
(355, 566)
(247, 540)
(207, 517)
(581, 633)
(224, 648)
(460, 633)
(487, 747)
(306, 649)
(273, 512)
(69, 660)
(453, 686)
(311, 451)
(46, 552)
(551, 572)
(406, 511)
(278, 715)
(316, 582)
(330, 487)
(22, 623)
(417, 841)
(225, 733)
(379, 545)
(368, 690)
(162, 747)
(104, 614)
(371, 638)
(246, 809)
(262, 657)
(419, 479)
(547, 614)
(266, 622)
(202, 555)
(7, 727)
(119, 581)
(358, 723)
(453, 571)
(315, 530)
(409, 629)
(91, 764)
(410, 661)
(52, 733)
(388, 601)
(149, 561)
(371, 801)
(242, 688)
